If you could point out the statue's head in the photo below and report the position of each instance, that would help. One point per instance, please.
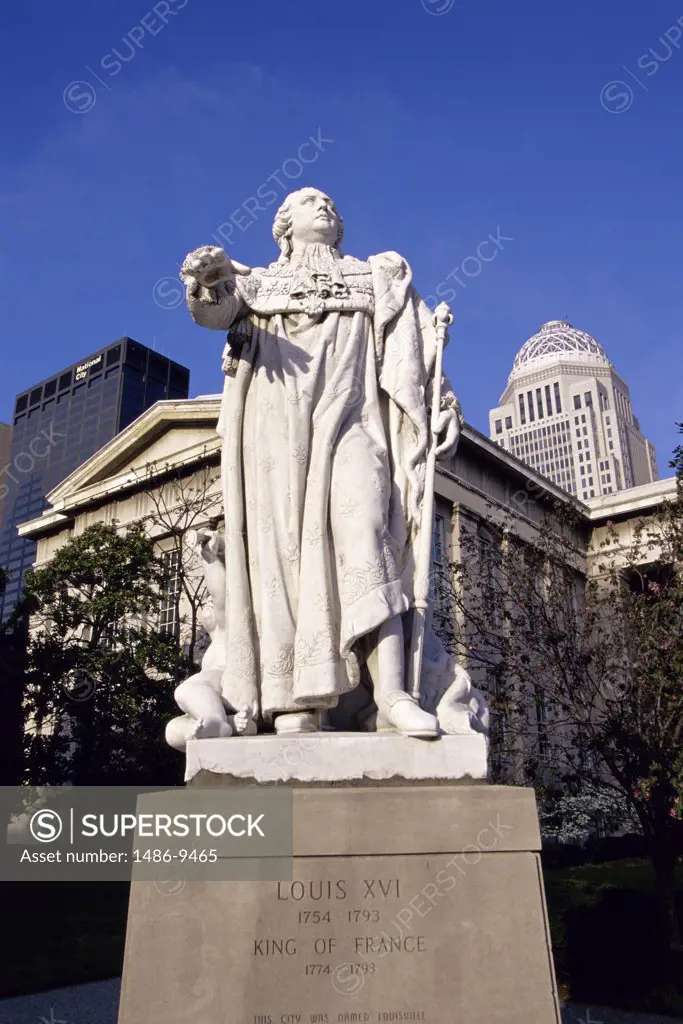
(307, 216)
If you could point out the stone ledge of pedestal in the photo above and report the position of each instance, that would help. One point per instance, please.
(379, 821)
(328, 758)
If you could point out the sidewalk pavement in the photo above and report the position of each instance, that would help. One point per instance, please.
(575, 1013)
(83, 1004)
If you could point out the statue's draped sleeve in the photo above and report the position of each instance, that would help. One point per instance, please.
(224, 307)
(218, 307)
(405, 337)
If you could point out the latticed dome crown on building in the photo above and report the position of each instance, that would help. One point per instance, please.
(554, 341)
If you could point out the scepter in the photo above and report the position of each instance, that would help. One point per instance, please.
(442, 320)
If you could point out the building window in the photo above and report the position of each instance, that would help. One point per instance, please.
(530, 403)
(499, 426)
(542, 725)
(588, 399)
(522, 412)
(438, 540)
(577, 401)
(508, 422)
(438, 590)
(489, 562)
(548, 402)
(169, 618)
(539, 403)
(558, 403)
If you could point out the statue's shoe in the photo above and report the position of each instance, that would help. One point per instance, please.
(405, 714)
(293, 722)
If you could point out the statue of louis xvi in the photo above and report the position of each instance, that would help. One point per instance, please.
(329, 375)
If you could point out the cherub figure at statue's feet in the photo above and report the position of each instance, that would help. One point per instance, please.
(207, 714)
(243, 724)
(239, 724)
(208, 728)
(213, 723)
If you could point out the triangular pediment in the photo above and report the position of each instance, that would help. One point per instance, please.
(167, 435)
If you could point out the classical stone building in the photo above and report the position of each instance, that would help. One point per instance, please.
(481, 488)
(566, 413)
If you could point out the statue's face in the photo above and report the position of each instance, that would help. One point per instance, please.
(314, 218)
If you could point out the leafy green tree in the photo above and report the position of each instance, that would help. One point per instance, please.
(100, 674)
(585, 672)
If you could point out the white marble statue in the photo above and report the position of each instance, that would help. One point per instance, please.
(325, 422)
(207, 714)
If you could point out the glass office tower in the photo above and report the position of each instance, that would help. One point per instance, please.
(5, 449)
(59, 423)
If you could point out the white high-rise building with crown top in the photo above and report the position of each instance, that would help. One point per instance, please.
(567, 413)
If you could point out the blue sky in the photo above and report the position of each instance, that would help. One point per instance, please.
(440, 122)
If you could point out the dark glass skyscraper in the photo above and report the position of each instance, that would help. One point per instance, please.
(65, 419)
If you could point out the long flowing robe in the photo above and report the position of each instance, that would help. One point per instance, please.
(324, 420)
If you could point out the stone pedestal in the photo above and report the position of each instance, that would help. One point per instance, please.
(338, 758)
(420, 901)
